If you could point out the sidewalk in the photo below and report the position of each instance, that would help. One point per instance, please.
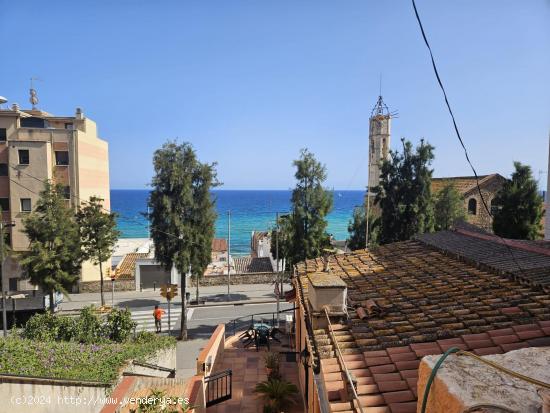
(244, 293)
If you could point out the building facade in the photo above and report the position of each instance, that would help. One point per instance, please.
(36, 146)
(475, 211)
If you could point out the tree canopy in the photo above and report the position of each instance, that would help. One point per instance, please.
(54, 258)
(98, 234)
(303, 233)
(182, 210)
(404, 194)
(519, 207)
(448, 208)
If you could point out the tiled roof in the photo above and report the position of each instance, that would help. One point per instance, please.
(127, 266)
(529, 262)
(250, 264)
(428, 300)
(219, 245)
(464, 184)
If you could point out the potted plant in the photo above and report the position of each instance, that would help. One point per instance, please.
(271, 362)
(277, 393)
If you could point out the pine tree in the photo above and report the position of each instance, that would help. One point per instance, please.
(448, 208)
(404, 194)
(519, 210)
(98, 234)
(310, 205)
(182, 213)
(54, 258)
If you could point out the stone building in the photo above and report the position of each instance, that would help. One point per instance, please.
(476, 213)
(379, 141)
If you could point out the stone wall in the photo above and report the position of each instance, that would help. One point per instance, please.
(93, 286)
(463, 382)
(236, 279)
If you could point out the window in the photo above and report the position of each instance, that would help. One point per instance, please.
(5, 204)
(61, 157)
(3, 169)
(69, 126)
(472, 206)
(25, 205)
(23, 156)
(67, 192)
(12, 286)
(3, 135)
(33, 122)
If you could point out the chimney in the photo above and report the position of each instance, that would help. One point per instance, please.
(79, 114)
(326, 289)
(15, 107)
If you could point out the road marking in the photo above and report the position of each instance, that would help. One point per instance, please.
(190, 313)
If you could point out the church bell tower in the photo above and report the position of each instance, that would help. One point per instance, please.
(379, 142)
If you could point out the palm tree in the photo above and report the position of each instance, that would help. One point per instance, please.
(277, 393)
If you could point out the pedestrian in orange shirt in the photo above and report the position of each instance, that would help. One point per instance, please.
(157, 313)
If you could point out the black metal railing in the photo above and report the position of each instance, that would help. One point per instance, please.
(247, 321)
(218, 387)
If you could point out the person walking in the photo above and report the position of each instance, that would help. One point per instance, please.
(157, 313)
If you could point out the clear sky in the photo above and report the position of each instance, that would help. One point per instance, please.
(249, 83)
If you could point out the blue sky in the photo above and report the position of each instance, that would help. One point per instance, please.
(249, 83)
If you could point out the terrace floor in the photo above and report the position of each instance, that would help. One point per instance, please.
(248, 368)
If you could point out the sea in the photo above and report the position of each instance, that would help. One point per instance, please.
(251, 210)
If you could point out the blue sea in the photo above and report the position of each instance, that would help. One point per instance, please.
(250, 210)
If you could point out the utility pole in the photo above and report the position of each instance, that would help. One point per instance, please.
(277, 260)
(367, 219)
(183, 326)
(228, 252)
(4, 314)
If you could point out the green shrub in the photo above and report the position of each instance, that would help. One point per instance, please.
(119, 325)
(89, 326)
(42, 327)
(144, 337)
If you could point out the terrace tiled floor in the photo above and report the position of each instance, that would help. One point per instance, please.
(248, 368)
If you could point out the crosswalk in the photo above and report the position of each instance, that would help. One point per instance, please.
(146, 322)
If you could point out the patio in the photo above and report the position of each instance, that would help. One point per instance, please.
(248, 368)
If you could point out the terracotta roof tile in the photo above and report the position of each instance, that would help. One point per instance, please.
(429, 301)
(125, 269)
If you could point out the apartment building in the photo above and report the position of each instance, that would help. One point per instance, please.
(36, 146)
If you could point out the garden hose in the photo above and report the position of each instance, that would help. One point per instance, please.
(481, 359)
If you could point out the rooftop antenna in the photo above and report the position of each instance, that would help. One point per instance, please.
(33, 95)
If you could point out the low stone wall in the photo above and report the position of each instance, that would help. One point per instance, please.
(236, 279)
(211, 356)
(93, 286)
(163, 358)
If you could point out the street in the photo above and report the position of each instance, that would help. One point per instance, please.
(243, 302)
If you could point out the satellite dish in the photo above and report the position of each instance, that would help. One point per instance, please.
(3, 100)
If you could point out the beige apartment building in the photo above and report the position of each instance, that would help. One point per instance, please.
(36, 146)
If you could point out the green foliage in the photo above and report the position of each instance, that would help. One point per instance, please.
(98, 234)
(303, 233)
(448, 208)
(158, 402)
(87, 328)
(182, 209)
(271, 360)
(277, 393)
(519, 209)
(54, 256)
(119, 325)
(404, 193)
(357, 229)
(72, 360)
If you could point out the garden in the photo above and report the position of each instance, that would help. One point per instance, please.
(92, 346)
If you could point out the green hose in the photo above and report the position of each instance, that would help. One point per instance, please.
(432, 376)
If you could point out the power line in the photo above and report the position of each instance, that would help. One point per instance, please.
(457, 131)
